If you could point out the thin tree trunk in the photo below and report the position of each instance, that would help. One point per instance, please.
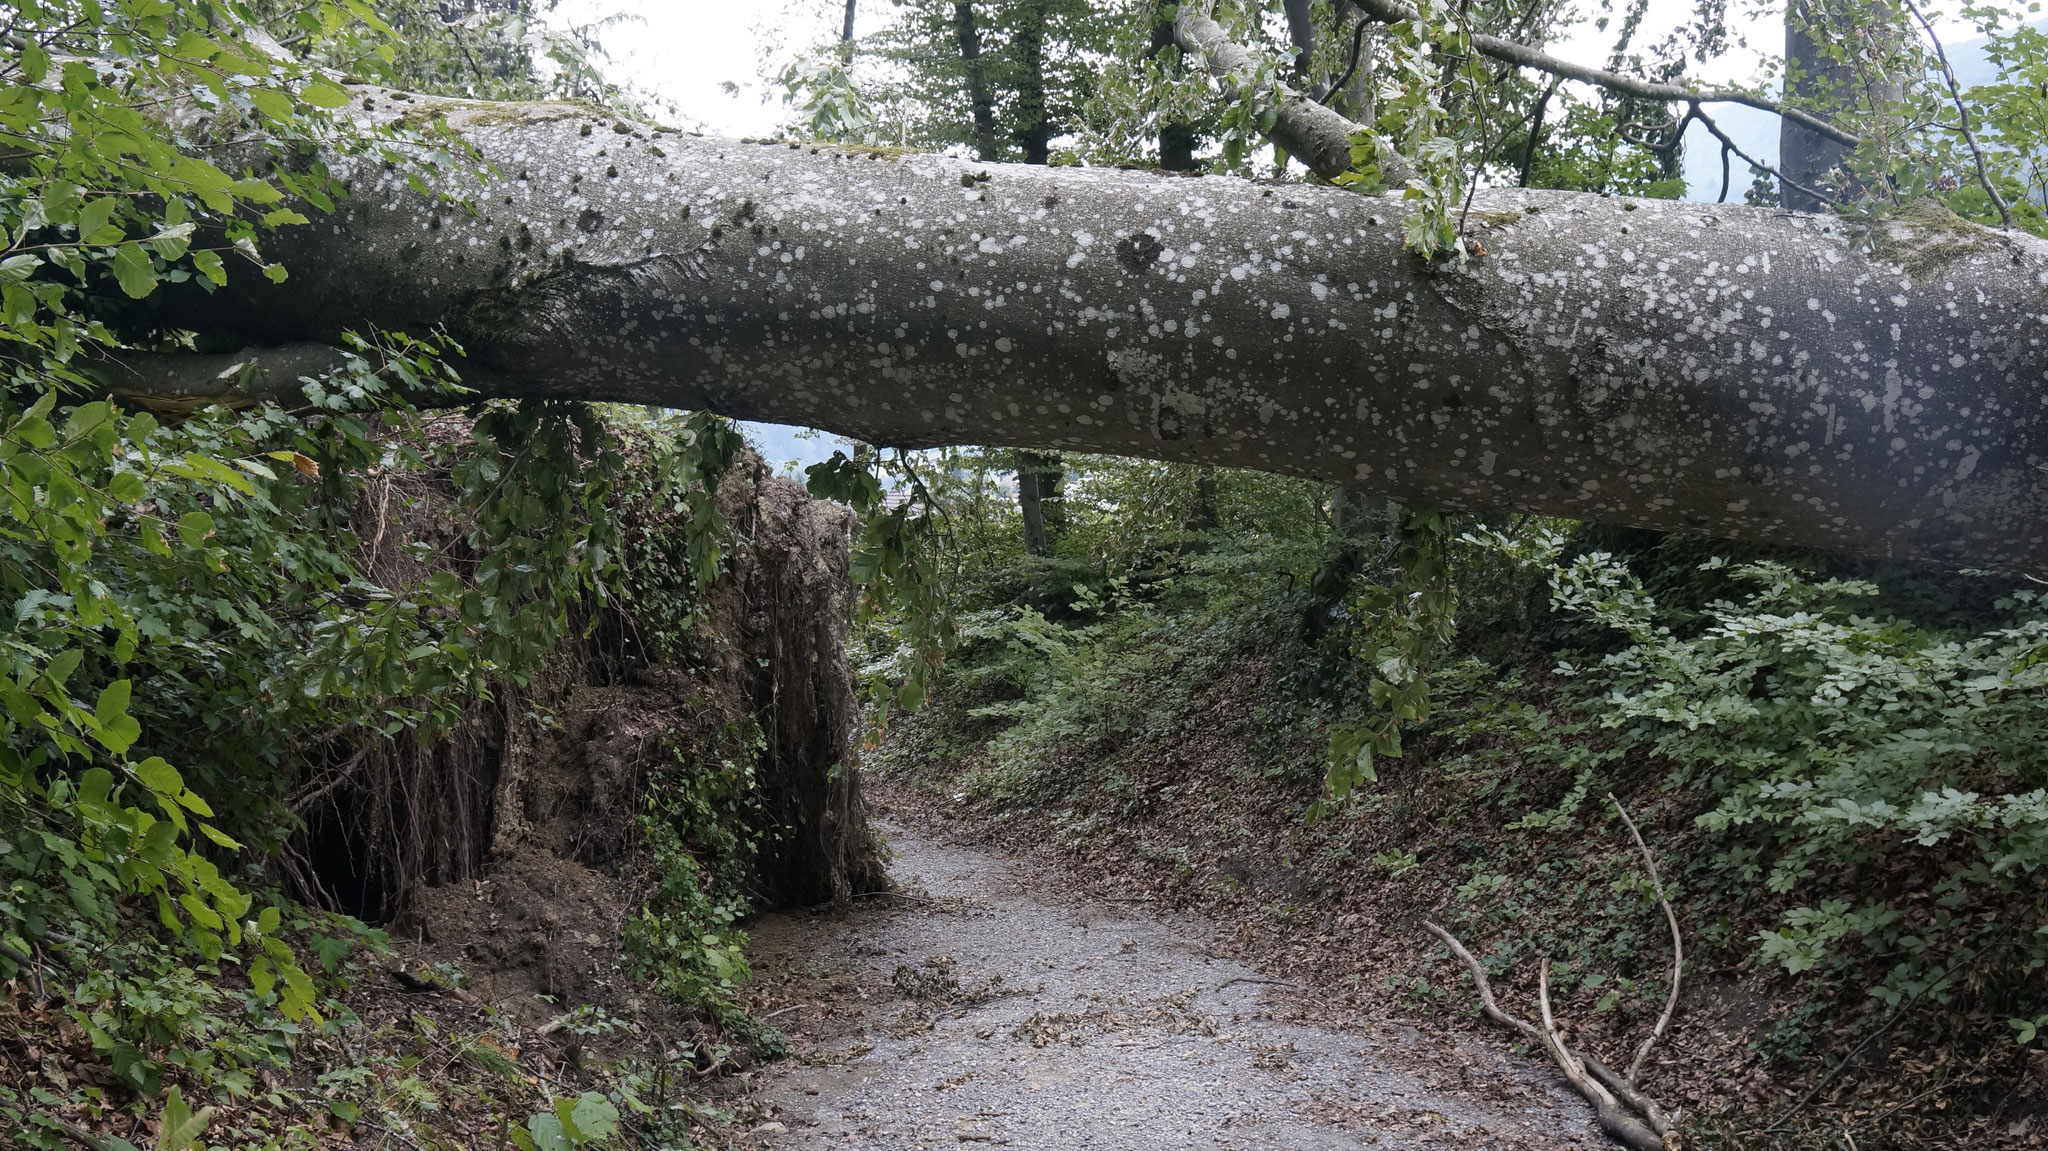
(1041, 478)
(846, 30)
(1177, 142)
(1034, 119)
(1204, 516)
(979, 100)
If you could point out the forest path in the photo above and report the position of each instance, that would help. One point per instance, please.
(986, 1006)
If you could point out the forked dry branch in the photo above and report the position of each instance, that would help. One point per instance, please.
(1623, 1111)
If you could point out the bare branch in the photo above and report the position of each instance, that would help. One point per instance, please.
(1487, 1002)
(1659, 1120)
(1955, 92)
(1621, 1126)
(1394, 12)
(1635, 1066)
(1728, 145)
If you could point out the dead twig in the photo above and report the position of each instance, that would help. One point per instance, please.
(1955, 91)
(76, 1133)
(1607, 1109)
(1635, 1065)
(1613, 1085)
(423, 985)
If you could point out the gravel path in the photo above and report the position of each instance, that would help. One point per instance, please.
(976, 1011)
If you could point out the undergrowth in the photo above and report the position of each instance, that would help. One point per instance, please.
(1840, 766)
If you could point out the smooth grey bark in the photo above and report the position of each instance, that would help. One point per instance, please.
(1750, 373)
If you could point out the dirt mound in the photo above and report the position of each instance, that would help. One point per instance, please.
(539, 925)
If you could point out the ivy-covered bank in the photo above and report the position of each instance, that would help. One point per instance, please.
(500, 682)
(1326, 721)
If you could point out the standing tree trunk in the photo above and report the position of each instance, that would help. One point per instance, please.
(1204, 515)
(979, 100)
(1034, 119)
(1040, 477)
(1177, 142)
(1813, 80)
(1041, 480)
(846, 30)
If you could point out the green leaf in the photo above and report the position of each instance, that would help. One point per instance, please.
(144, 1074)
(911, 695)
(153, 536)
(180, 1126)
(195, 47)
(218, 836)
(322, 94)
(276, 105)
(195, 528)
(209, 265)
(159, 776)
(126, 487)
(565, 1111)
(35, 431)
(62, 666)
(135, 270)
(19, 267)
(118, 730)
(171, 242)
(95, 224)
(255, 191)
(594, 1116)
(548, 1134)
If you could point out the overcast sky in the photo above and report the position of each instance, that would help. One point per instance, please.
(685, 51)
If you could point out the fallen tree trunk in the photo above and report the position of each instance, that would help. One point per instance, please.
(1755, 374)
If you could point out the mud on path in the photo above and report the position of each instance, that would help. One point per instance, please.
(986, 1006)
